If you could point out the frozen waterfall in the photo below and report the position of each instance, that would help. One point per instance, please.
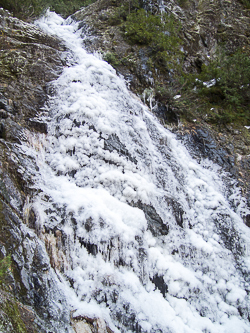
(138, 232)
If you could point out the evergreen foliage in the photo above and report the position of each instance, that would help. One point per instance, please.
(231, 89)
(30, 9)
(160, 33)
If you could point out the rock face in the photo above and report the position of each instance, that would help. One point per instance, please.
(29, 60)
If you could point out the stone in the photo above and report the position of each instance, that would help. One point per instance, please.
(114, 143)
(155, 223)
(81, 327)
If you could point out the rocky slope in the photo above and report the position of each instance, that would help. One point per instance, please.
(205, 26)
(29, 60)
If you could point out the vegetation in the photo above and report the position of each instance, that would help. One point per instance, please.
(160, 33)
(224, 85)
(112, 59)
(246, 3)
(30, 9)
(5, 265)
(124, 9)
(13, 316)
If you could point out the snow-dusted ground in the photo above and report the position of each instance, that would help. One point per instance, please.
(92, 193)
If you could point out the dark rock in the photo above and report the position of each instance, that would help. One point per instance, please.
(3, 114)
(155, 223)
(91, 248)
(247, 219)
(32, 219)
(167, 113)
(29, 60)
(229, 235)
(6, 104)
(2, 131)
(177, 211)
(160, 284)
(38, 125)
(201, 143)
(113, 143)
(12, 131)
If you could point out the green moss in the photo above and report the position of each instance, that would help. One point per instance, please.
(12, 311)
(183, 3)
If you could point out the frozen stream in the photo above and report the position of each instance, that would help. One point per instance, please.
(144, 236)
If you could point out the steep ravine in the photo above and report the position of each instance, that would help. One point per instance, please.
(52, 236)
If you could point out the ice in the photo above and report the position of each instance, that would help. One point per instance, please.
(109, 174)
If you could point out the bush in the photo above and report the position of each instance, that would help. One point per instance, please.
(30, 9)
(229, 76)
(160, 33)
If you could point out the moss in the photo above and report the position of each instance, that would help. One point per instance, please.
(183, 3)
(13, 313)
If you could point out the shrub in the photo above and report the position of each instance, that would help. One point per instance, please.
(229, 76)
(124, 9)
(30, 9)
(160, 33)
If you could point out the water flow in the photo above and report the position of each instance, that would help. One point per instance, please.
(140, 234)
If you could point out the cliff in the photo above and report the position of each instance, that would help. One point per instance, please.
(31, 59)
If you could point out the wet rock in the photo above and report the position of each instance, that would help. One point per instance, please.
(29, 60)
(12, 131)
(160, 284)
(6, 104)
(247, 219)
(113, 143)
(2, 131)
(201, 143)
(155, 223)
(177, 210)
(38, 125)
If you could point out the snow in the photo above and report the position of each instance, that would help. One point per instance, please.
(91, 194)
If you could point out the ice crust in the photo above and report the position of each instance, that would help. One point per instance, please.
(91, 193)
